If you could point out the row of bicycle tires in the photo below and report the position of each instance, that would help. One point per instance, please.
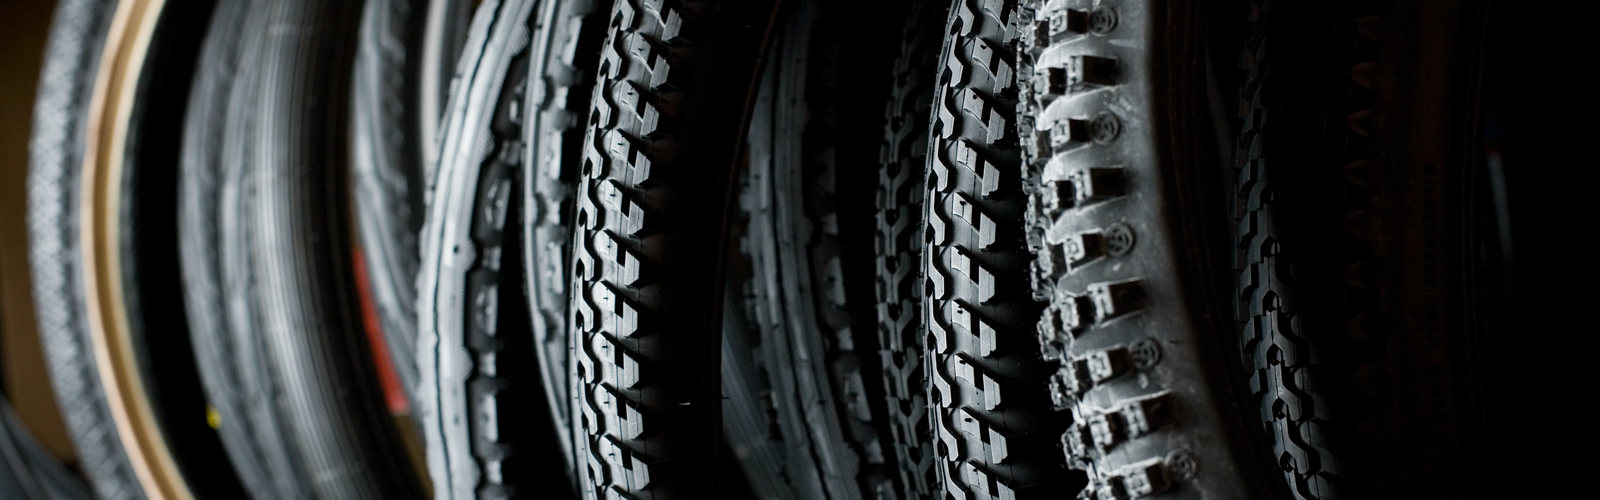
(682, 249)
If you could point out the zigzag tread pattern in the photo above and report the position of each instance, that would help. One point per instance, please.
(1290, 364)
(993, 427)
(899, 246)
(612, 297)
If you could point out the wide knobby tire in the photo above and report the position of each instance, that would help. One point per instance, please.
(653, 200)
(1355, 245)
(492, 284)
(1062, 130)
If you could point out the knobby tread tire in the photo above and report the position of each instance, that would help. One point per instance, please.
(1283, 350)
(494, 240)
(1126, 251)
(66, 81)
(1356, 116)
(655, 194)
(993, 426)
(899, 245)
(387, 172)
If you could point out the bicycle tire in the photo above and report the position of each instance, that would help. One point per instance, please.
(220, 308)
(284, 247)
(492, 283)
(1127, 252)
(66, 82)
(899, 245)
(657, 187)
(387, 175)
(1361, 114)
(802, 214)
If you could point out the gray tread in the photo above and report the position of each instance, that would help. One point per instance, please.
(66, 82)
(993, 425)
(899, 245)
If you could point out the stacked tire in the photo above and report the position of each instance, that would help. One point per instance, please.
(682, 249)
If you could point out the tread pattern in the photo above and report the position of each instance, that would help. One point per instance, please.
(992, 425)
(210, 172)
(1086, 296)
(293, 226)
(1116, 224)
(794, 300)
(1295, 364)
(387, 174)
(66, 81)
(613, 403)
(899, 245)
(264, 441)
(557, 95)
(490, 434)
(654, 194)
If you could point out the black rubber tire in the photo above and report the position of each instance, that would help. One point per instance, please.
(492, 285)
(899, 246)
(220, 309)
(806, 203)
(660, 159)
(265, 223)
(1121, 215)
(992, 422)
(146, 250)
(991, 203)
(66, 81)
(386, 158)
(1355, 245)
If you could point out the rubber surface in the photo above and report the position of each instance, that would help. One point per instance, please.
(1358, 330)
(387, 170)
(1122, 217)
(220, 310)
(492, 352)
(992, 424)
(654, 198)
(899, 245)
(55, 159)
(805, 222)
(561, 73)
(801, 332)
(306, 394)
